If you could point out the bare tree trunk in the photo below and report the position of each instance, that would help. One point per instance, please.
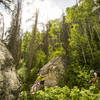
(65, 37)
(14, 43)
(46, 40)
(32, 42)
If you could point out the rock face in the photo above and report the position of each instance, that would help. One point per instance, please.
(52, 73)
(9, 83)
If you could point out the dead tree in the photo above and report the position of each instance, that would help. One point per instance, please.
(32, 41)
(46, 40)
(65, 37)
(14, 41)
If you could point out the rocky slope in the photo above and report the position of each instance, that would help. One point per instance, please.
(9, 83)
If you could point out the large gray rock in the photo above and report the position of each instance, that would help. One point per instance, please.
(9, 83)
(53, 74)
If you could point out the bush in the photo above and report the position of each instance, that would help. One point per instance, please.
(53, 93)
(57, 93)
(77, 76)
(25, 96)
(27, 77)
(40, 59)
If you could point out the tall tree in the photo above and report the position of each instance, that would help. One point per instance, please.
(32, 41)
(14, 42)
(65, 37)
(46, 40)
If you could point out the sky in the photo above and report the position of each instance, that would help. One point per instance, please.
(48, 10)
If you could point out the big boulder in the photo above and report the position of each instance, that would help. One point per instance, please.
(53, 74)
(9, 83)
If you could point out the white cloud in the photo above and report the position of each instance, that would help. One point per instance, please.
(64, 3)
(7, 18)
(48, 9)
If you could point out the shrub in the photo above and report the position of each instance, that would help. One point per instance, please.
(77, 76)
(58, 93)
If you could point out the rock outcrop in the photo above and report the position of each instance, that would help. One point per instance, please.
(52, 73)
(9, 83)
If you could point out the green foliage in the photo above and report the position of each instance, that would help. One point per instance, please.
(59, 52)
(52, 94)
(40, 78)
(83, 54)
(78, 46)
(27, 77)
(25, 96)
(78, 76)
(40, 59)
(25, 46)
(79, 13)
(96, 60)
(57, 93)
(55, 44)
(23, 71)
(84, 42)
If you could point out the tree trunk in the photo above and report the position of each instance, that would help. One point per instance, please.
(65, 37)
(32, 42)
(14, 44)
